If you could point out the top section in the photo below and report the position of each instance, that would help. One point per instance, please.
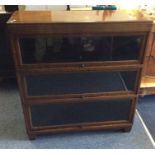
(106, 16)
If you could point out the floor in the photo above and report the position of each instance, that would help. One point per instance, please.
(13, 135)
(146, 108)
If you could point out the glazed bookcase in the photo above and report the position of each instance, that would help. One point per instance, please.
(75, 75)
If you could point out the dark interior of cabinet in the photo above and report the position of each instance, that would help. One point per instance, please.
(74, 49)
(71, 113)
(76, 83)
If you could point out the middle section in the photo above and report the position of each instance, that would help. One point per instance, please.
(72, 83)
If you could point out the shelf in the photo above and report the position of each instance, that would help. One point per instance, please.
(148, 82)
(83, 112)
(78, 83)
(79, 49)
(147, 86)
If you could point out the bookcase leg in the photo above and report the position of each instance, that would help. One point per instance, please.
(32, 136)
(127, 129)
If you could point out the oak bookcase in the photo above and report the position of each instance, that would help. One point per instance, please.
(78, 70)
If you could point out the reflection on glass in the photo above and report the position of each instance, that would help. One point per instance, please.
(74, 49)
(126, 48)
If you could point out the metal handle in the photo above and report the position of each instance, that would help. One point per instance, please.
(82, 97)
(82, 65)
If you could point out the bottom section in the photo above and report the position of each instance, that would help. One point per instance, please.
(86, 115)
(81, 112)
(124, 127)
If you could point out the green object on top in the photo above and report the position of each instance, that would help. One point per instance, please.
(104, 7)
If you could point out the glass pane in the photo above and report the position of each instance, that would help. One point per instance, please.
(126, 47)
(75, 49)
(76, 83)
(70, 113)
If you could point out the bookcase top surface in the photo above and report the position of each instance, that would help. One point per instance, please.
(106, 16)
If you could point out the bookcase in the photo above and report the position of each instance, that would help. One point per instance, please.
(78, 70)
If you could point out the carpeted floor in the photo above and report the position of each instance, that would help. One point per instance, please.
(13, 135)
(146, 108)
